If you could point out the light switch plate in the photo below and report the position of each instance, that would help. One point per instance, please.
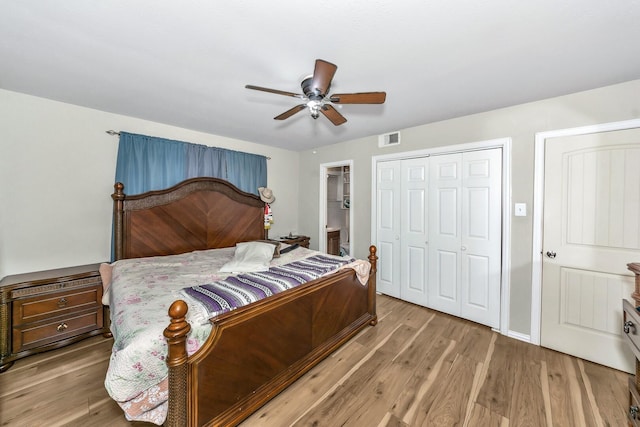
(520, 209)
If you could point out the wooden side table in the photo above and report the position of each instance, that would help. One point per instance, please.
(48, 309)
(292, 240)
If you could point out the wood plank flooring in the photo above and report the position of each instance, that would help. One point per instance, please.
(417, 367)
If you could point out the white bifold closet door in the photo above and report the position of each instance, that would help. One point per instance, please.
(439, 232)
(465, 235)
(402, 228)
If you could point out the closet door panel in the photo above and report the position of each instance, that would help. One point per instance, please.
(481, 236)
(413, 230)
(444, 233)
(388, 227)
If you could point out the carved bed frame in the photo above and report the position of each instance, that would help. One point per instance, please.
(256, 351)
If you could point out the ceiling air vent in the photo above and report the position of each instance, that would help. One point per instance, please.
(389, 139)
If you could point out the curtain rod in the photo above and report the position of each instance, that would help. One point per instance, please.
(113, 133)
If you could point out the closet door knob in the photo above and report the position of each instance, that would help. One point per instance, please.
(464, 248)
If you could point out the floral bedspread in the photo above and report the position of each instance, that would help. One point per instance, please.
(140, 293)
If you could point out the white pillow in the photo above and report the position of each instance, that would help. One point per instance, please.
(249, 257)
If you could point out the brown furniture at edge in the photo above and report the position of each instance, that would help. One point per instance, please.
(237, 370)
(48, 309)
(632, 333)
(333, 242)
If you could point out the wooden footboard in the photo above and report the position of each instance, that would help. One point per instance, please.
(256, 351)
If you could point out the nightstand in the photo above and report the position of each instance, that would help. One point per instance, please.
(48, 309)
(292, 240)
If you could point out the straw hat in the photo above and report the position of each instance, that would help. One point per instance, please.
(266, 195)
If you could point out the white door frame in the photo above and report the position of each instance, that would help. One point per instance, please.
(538, 209)
(505, 144)
(322, 223)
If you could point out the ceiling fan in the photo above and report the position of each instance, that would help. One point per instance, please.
(315, 89)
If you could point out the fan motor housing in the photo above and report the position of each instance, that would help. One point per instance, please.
(309, 91)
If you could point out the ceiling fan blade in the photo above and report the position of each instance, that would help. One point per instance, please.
(359, 98)
(277, 92)
(322, 76)
(290, 112)
(333, 115)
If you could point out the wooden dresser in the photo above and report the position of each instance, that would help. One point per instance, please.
(631, 328)
(48, 309)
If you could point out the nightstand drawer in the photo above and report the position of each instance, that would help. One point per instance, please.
(56, 304)
(41, 333)
(631, 327)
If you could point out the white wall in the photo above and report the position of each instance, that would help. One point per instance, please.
(521, 122)
(57, 168)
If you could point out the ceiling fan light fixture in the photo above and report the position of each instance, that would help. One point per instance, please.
(314, 108)
(316, 92)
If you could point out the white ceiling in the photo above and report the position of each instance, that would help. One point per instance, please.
(186, 63)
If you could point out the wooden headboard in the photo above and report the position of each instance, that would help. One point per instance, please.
(196, 214)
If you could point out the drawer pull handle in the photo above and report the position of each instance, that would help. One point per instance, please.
(61, 327)
(633, 412)
(62, 302)
(627, 326)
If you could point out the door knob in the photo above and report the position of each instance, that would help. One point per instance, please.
(551, 254)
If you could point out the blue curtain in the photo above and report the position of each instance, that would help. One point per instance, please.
(206, 161)
(148, 163)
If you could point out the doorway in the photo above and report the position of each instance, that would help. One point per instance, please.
(585, 232)
(336, 208)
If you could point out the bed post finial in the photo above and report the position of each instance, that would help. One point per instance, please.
(118, 197)
(176, 335)
(373, 260)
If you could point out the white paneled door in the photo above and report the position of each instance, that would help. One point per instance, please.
(465, 235)
(591, 232)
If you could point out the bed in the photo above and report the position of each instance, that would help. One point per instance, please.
(252, 352)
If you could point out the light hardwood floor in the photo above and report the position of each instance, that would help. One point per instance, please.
(417, 367)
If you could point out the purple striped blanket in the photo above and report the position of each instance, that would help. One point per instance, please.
(237, 291)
